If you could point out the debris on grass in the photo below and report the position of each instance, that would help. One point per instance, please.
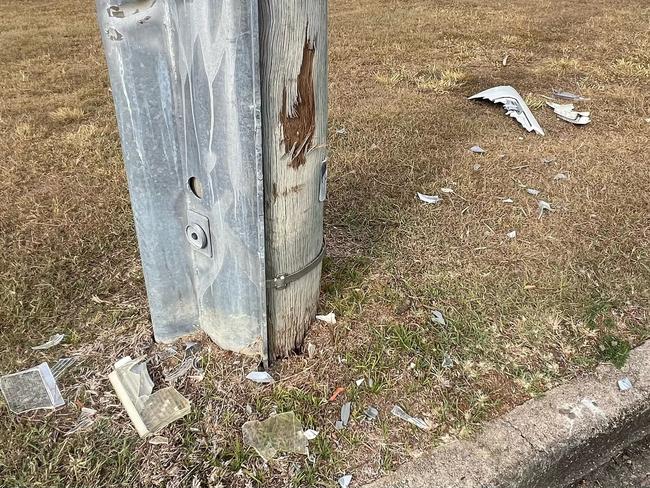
(159, 440)
(507, 200)
(86, 419)
(548, 160)
(344, 481)
(149, 412)
(336, 393)
(311, 350)
(278, 433)
(371, 413)
(477, 150)
(504, 62)
(560, 177)
(311, 434)
(360, 381)
(543, 206)
(346, 410)
(330, 318)
(624, 384)
(54, 340)
(514, 105)
(565, 95)
(447, 190)
(447, 362)
(31, 389)
(260, 377)
(190, 361)
(532, 191)
(62, 365)
(438, 318)
(398, 412)
(512, 234)
(429, 198)
(567, 112)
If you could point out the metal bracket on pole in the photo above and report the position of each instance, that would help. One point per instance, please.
(281, 281)
(185, 82)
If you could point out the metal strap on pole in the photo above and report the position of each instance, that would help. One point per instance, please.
(281, 281)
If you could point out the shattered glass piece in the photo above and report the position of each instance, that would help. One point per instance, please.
(278, 433)
(624, 384)
(447, 362)
(429, 198)
(512, 234)
(344, 481)
(532, 191)
(567, 112)
(330, 318)
(346, 409)
(543, 206)
(31, 389)
(339, 425)
(260, 377)
(54, 340)
(438, 318)
(86, 419)
(514, 104)
(311, 434)
(62, 365)
(418, 422)
(565, 95)
(371, 413)
(149, 412)
(560, 177)
(477, 150)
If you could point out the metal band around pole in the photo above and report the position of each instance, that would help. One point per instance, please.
(281, 281)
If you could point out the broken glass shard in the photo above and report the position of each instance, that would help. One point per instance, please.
(278, 433)
(31, 389)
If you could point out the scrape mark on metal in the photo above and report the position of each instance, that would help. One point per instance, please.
(298, 122)
(113, 34)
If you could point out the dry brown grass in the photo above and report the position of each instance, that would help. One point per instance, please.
(523, 314)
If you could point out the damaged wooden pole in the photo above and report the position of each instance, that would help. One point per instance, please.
(293, 58)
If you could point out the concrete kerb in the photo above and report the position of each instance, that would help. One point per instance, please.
(547, 442)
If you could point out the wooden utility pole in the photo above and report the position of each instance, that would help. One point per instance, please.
(293, 56)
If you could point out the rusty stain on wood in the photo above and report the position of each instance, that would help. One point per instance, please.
(299, 122)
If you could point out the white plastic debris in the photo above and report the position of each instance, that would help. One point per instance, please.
(86, 419)
(330, 318)
(438, 318)
(311, 434)
(447, 362)
(341, 131)
(548, 160)
(507, 200)
(504, 62)
(567, 112)
(543, 206)
(624, 384)
(159, 440)
(311, 350)
(565, 95)
(447, 190)
(532, 191)
(514, 105)
(512, 234)
(54, 340)
(477, 150)
(429, 198)
(31, 389)
(260, 377)
(371, 413)
(418, 422)
(560, 177)
(346, 410)
(360, 381)
(344, 481)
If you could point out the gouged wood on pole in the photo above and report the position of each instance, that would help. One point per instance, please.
(293, 55)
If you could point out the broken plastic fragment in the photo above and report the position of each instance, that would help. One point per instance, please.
(31, 389)
(477, 149)
(344, 481)
(149, 412)
(447, 362)
(438, 318)
(371, 413)
(338, 425)
(512, 234)
(543, 206)
(624, 384)
(330, 318)
(419, 423)
(507, 200)
(514, 105)
(560, 176)
(311, 350)
(360, 381)
(260, 377)
(159, 440)
(447, 190)
(86, 419)
(565, 95)
(532, 191)
(548, 160)
(336, 393)
(62, 365)
(51, 342)
(311, 434)
(567, 112)
(278, 433)
(429, 198)
(346, 409)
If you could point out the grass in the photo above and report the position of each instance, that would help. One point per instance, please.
(522, 315)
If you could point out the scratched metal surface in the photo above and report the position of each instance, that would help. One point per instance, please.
(185, 82)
